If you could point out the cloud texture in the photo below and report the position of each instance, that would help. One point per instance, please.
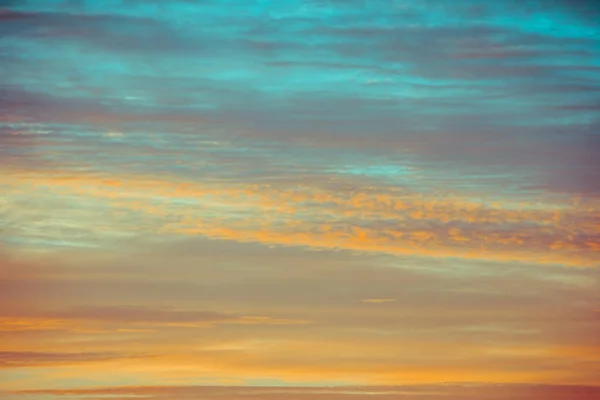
(300, 194)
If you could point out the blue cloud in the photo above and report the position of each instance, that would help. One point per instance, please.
(513, 77)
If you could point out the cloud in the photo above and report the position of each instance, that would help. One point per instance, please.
(240, 191)
(453, 74)
(319, 216)
(126, 319)
(144, 314)
(292, 316)
(12, 359)
(339, 393)
(378, 301)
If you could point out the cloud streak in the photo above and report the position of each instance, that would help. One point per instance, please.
(388, 221)
(340, 393)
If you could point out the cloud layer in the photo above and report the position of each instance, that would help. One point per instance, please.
(316, 193)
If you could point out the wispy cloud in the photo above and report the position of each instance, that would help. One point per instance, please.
(299, 193)
(11, 359)
(378, 301)
(304, 321)
(375, 220)
(338, 393)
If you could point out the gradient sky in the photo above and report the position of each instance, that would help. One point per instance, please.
(294, 199)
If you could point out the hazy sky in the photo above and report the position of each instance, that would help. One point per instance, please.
(334, 199)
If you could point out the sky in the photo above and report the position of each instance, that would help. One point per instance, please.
(294, 199)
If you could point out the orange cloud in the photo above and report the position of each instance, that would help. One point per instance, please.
(297, 323)
(446, 391)
(315, 216)
(378, 301)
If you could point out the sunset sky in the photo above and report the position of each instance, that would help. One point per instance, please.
(299, 199)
